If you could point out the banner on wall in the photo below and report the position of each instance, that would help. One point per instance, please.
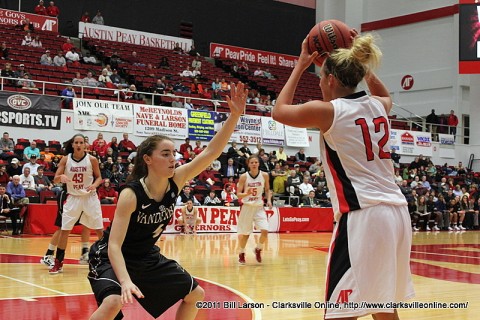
(273, 132)
(30, 110)
(296, 137)
(411, 142)
(102, 115)
(102, 32)
(446, 145)
(15, 18)
(225, 51)
(221, 219)
(201, 125)
(248, 128)
(152, 120)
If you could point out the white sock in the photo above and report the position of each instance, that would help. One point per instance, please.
(52, 247)
(85, 245)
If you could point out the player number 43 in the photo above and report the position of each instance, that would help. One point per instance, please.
(380, 124)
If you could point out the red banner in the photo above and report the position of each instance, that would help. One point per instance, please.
(41, 218)
(14, 18)
(224, 51)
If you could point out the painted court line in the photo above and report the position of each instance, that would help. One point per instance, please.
(34, 285)
(444, 254)
(257, 315)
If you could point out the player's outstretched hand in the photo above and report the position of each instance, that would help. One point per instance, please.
(237, 99)
(129, 288)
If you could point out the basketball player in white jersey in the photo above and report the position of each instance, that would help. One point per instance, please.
(189, 218)
(369, 256)
(251, 187)
(81, 173)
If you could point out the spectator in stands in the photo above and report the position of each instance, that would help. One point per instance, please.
(17, 192)
(113, 144)
(67, 96)
(315, 168)
(31, 150)
(310, 200)
(73, 57)
(130, 93)
(197, 63)
(98, 19)
(452, 122)
(164, 64)
(207, 178)
(4, 177)
(259, 73)
(193, 51)
(187, 73)
(186, 195)
(40, 9)
(188, 104)
(257, 149)
(216, 84)
(27, 39)
(45, 160)
(117, 80)
(107, 193)
(32, 165)
(27, 83)
(267, 74)
(197, 73)
(26, 179)
(305, 187)
(36, 42)
(52, 10)
(104, 79)
(293, 183)
(454, 207)
(114, 60)
(183, 146)
(42, 183)
(88, 59)
(89, 80)
(432, 120)
(300, 156)
(196, 87)
(67, 45)
(158, 88)
(4, 51)
(229, 198)
(177, 103)
(216, 165)
(85, 17)
(279, 177)
(7, 209)
(59, 59)
(211, 199)
(244, 67)
(135, 60)
(46, 59)
(395, 158)
(245, 150)
(26, 25)
(224, 86)
(8, 72)
(177, 48)
(7, 146)
(126, 145)
(230, 169)
(98, 140)
(14, 168)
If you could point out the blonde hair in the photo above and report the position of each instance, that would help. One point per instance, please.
(350, 65)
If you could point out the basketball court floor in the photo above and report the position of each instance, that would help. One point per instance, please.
(446, 269)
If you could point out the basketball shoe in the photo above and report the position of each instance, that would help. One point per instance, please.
(241, 258)
(57, 268)
(49, 261)
(83, 258)
(258, 254)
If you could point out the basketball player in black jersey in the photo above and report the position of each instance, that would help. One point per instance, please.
(126, 263)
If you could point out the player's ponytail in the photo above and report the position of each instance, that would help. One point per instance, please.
(349, 66)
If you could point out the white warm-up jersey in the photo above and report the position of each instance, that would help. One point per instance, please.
(257, 184)
(80, 173)
(356, 155)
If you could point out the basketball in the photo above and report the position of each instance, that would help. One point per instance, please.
(327, 36)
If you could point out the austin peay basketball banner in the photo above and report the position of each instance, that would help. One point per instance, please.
(225, 51)
(102, 32)
(29, 110)
(40, 22)
(102, 115)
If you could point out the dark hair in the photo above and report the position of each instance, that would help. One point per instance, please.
(41, 168)
(140, 168)
(67, 145)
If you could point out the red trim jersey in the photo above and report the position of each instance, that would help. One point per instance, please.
(356, 157)
(80, 173)
(257, 184)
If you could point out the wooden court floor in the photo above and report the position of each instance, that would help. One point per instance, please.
(446, 268)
